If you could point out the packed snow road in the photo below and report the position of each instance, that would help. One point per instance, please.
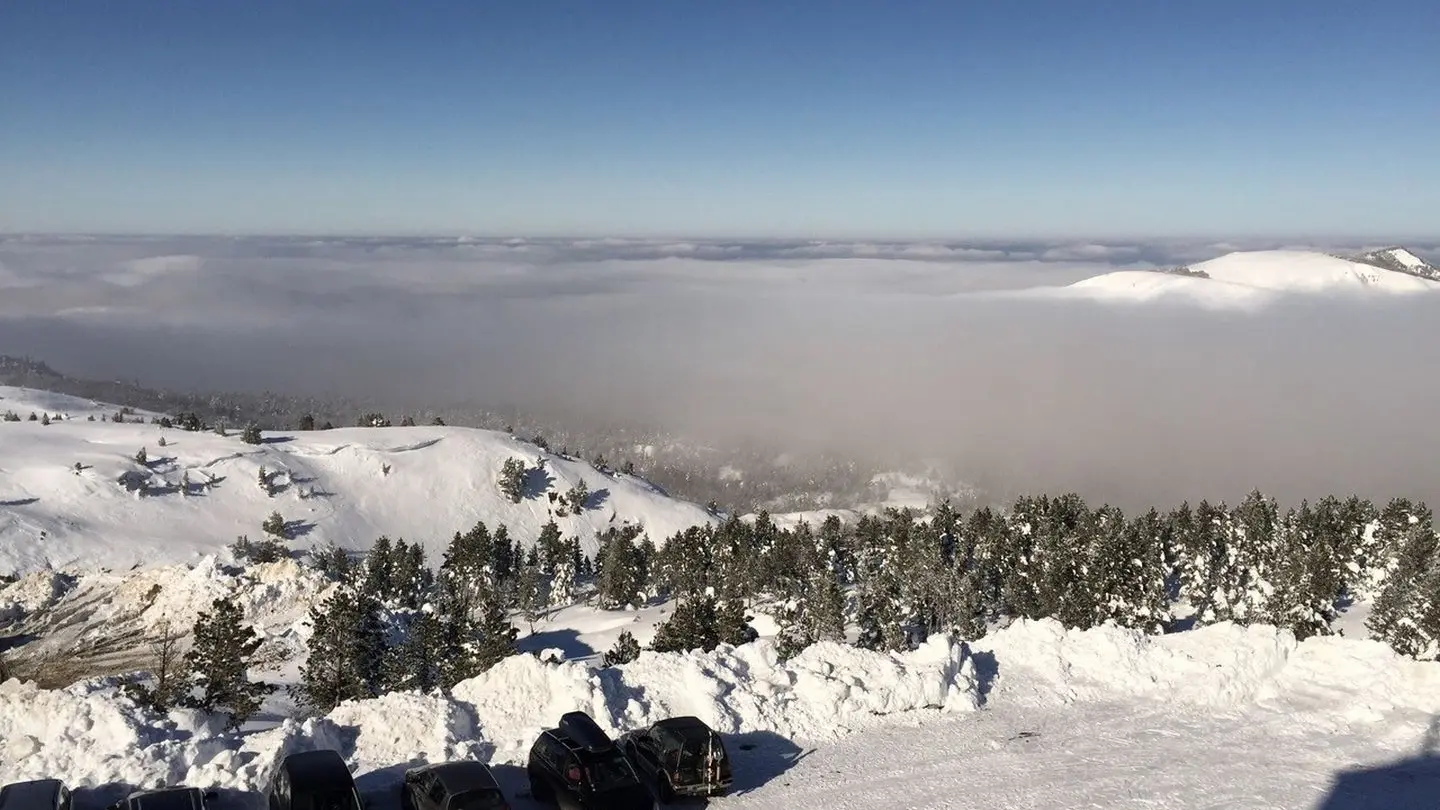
(1112, 755)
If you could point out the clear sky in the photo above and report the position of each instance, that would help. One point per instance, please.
(735, 118)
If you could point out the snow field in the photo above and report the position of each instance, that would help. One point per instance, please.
(347, 486)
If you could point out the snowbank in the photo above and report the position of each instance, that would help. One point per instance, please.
(91, 736)
(1338, 680)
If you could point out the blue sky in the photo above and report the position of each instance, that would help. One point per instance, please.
(824, 119)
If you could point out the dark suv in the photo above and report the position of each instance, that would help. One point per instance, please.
(577, 765)
(680, 756)
(41, 794)
(464, 785)
(312, 780)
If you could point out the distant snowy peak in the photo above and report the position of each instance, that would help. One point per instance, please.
(1253, 278)
(1400, 260)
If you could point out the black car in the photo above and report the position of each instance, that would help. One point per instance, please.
(173, 798)
(680, 756)
(41, 794)
(576, 765)
(312, 780)
(465, 785)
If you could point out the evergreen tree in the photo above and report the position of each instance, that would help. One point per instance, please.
(626, 649)
(334, 562)
(512, 479)
(1397, 615)
(274, 525)
(251, 434)
(622, 575)
(533, 593)
(732, 626)
(307, 422)
(347, 651)
(220, 660)
(142, 458)
(692, 625)
(413, 664)
(380, 570)
(562, 583)
(496, 634)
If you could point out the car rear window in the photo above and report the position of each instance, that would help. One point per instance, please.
(331, 800)
(483, 799)
(610, 772)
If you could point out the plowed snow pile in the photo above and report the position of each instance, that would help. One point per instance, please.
(89, 736)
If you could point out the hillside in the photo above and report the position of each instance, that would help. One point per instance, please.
(1253, 278)
(345, 486)
(1400, 260)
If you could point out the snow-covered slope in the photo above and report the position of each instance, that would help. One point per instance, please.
(346, 486)
(1401, 260)
(1251, 279)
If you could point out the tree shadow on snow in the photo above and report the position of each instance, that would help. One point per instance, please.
(566, 640)
(538, 481)
(597, 498)
(1408, 784)
(277, 439)
(20, 502)
(760, 757)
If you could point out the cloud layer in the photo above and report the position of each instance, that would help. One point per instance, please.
(865, 349)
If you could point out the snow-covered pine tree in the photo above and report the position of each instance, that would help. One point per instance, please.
(251, 434)
(1397, 614)
(1253, 562)
(512, 479)
(1204, 537)
(380, 570)
(220, 657)
(622, 575)
(562, 583)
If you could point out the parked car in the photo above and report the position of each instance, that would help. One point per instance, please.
(679, 756)
(467, 785)
(41, 794)
(171, 798)
(312, 780)
(577, 765)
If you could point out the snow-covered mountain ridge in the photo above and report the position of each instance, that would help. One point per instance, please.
(73, 494)
(1255, 278)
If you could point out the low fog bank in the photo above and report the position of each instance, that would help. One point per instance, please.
(880, 357)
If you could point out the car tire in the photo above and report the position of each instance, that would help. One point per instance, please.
(539, 791)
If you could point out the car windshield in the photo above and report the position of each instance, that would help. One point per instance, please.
(610, 773)
(333, 800)
(482, 799)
